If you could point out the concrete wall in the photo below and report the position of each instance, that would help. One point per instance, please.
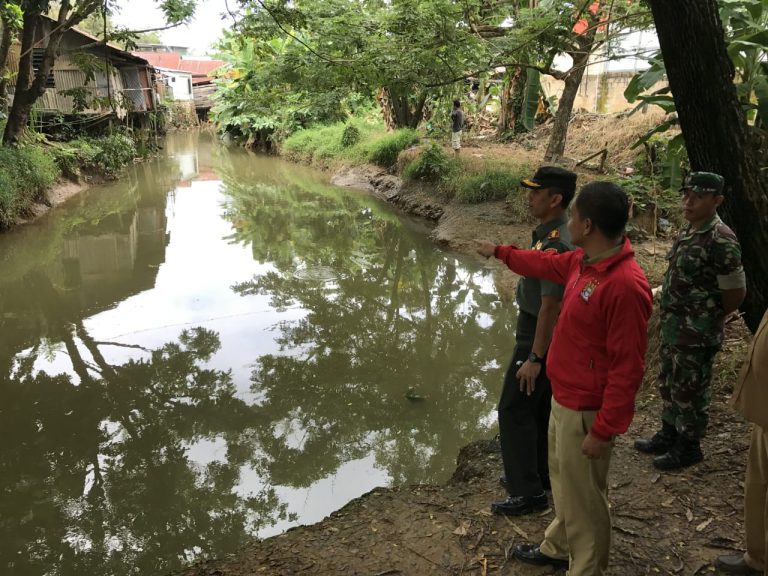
(602, 93)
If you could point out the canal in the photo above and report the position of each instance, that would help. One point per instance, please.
(220, 346)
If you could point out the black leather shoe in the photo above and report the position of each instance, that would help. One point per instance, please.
(520, 505)
(735, 564)
(659, 443)
(531, 554)
(684, 453)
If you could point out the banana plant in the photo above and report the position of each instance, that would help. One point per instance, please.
(746, 27)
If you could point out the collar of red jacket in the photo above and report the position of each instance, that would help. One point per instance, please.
(625, 252)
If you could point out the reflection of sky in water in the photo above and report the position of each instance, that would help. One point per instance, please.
(193, 289)
(193, 286)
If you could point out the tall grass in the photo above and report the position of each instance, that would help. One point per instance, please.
(356, 140)
(26, 174)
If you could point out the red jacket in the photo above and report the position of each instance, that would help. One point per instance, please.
(597, 355)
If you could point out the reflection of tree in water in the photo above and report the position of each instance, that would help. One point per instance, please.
(96, 473)
(397, 317)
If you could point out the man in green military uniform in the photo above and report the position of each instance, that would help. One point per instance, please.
(703, 284)
(526, 396)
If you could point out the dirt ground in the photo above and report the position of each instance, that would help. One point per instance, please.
(672, 523)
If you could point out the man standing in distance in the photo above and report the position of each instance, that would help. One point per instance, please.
(595, 364)
(703, 284)
(457, 124)
(526, 396)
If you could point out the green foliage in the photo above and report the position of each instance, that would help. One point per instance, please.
(107, 155)
(665, 160)
(385, 151)
(318, 143)
(744, 22)
(530, 98)
(115, 152)
(350, 136)
(491, 184)
(26, 174)
(11, 15)
(433, 165)
(74, 155)
(324, 143)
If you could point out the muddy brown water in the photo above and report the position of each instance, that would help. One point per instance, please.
(221, 346)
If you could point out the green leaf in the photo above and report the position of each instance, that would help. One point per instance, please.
(761, 91)
(658, 129)
(644, 80)
(663, 101)
(531, 98)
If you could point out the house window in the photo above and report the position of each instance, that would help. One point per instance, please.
(189, 85)
(37, 63)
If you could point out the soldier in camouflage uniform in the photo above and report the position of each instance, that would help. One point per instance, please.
(703, 284)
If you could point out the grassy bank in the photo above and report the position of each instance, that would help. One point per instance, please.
(415, 157)
(490, 171)
(26, 175)
(29, 172)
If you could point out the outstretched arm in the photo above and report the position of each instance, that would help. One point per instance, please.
(532, 263)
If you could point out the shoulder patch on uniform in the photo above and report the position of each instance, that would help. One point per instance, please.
(554, 234)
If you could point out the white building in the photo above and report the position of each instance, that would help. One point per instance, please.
(179, 83)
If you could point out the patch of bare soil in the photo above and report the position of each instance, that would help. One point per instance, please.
(673, 524)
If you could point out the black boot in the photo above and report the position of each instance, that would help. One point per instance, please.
(660, 443)
(686, 452)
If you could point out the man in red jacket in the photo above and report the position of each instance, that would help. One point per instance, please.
(595, 362)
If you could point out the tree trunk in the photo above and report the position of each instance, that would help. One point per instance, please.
(29, 88)
(715, 129)
(511, 102)
(400, 110)
(585, 43)
(6, 37)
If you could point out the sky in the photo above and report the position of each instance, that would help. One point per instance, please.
(203, 32)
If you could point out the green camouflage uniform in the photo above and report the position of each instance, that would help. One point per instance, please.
(702, 263)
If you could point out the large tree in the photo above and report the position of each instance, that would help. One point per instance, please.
(10, 24)
(714, 125)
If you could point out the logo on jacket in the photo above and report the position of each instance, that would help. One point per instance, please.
(588, 289)
(554, 234)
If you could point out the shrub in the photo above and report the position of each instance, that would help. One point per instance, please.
(8, 199)
(331, 142)
(384, 151)
(114, 153)
(433, 165)
(37, 170)
(351, 136)
(491, 184)
(315, 143)
(26, 174)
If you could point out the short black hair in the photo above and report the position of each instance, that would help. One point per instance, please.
(565, 194)
(456, 104)
(606, 204)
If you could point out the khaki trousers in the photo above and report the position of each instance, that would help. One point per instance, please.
(581, 530)
(755, 501)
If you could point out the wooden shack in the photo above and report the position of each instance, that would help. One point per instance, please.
(122, 83)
